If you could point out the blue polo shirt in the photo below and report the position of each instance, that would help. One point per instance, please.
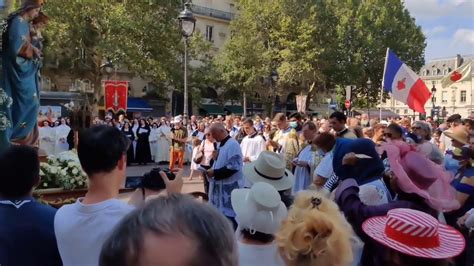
(27, 233)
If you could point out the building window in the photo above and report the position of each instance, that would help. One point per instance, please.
(209, 30)
(397, 111)
(405, 111)
(463, 96)
(427, 72)
(433, 99)
(435, 71)
(446, 71)
(444, 97)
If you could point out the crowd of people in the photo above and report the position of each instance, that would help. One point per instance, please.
(55, 137)
(290, 190)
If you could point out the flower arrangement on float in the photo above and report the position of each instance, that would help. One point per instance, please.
(62, 171)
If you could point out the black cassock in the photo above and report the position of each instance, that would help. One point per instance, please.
(130, 156)
(143, 154)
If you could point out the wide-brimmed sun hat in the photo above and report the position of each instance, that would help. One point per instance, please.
(419, 175)
(258, 209)
(415, 233)
(270, 168)
(461, 135)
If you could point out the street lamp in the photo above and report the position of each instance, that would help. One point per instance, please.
(369, 86)
(433, 92)
(107, 66)
(187, 23)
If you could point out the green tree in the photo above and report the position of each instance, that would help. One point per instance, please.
(365, 30)
(250, 55)
(318, 44)
(141, 36)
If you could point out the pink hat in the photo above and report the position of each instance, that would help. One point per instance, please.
(419, 175)
(415, 233)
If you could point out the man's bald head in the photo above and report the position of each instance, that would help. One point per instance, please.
(218, 131)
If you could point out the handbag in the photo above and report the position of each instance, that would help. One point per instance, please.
(199, 156)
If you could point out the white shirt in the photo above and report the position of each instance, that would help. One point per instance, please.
(448, 144)
(199, 135)
(47, 134)
(252, 146)
(62, 131)
(81, 229)
(324, 169)
(258, 255)
(153, 135)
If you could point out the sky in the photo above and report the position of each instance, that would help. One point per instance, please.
(447, 24)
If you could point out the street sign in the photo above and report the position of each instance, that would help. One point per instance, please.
(347, 104)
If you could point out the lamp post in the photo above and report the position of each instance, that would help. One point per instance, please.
(187, 23)
(369, 86)
(433, 92)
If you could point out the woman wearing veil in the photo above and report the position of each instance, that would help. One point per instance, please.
(19, 95)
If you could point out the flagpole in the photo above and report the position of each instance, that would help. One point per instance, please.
(470, 74)
(383, 82)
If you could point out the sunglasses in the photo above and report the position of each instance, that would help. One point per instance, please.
(388, 135)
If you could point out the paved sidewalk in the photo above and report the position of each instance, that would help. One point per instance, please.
(189, 186)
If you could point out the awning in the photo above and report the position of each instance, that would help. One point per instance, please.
(234, 109)
(138, 105)
(211, 109)
(60, 95)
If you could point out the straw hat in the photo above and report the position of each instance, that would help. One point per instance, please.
(258, 209)
(270, 168)
(415, 233)
(460, 135)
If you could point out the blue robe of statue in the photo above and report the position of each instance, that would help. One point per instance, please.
(19, 93)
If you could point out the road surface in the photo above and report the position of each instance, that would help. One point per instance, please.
(189, 186)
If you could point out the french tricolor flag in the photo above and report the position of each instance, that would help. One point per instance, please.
(404, 84)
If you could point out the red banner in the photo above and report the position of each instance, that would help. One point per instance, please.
(116, 93)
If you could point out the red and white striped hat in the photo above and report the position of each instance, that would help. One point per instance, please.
(415, 233)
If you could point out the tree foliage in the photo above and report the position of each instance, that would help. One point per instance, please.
(318, 44)
(141, 36)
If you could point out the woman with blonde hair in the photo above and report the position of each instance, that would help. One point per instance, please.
(315, 233)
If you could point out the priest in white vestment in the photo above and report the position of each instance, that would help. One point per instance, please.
(62, 131)
(47, 137)
(253, 143)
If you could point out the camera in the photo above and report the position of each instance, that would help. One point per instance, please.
(150, 180)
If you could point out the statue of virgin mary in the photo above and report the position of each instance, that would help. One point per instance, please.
(19, 91)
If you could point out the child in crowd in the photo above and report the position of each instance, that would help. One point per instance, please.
(197, 157)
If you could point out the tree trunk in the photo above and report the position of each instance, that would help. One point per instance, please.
(245, 105)
(310, 95)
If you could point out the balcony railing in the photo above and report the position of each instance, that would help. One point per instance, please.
(214, 13)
